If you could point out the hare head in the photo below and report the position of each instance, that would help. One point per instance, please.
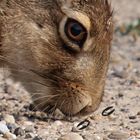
(58, 49)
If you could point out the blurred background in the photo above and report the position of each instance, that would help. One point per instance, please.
(126, 10)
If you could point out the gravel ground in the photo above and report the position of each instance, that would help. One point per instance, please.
(18, 121)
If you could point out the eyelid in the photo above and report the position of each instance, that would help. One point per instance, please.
(80, 17)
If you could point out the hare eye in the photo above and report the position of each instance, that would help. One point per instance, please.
(75, 31)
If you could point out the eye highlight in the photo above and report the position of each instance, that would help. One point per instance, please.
(75, 31)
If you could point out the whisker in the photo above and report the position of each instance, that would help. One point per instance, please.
(47, 109)
(44, 102)
(53, 108)
(69, 114)
(40, 105)
(44, 97)
(50, 110)
(62, 104)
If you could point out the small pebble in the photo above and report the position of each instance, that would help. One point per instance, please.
(137, 127)
(10, 136)
(37, 138)
(134, 121)
(2, 138)
(138, 113)
(118, 135)
(3, 128)
(11, 127)
(71, 136)
(97, 117)
(119, 73)
(93, 137)
(29, 128)
(19, 132)
(29, 135)
(75, 128)
(96, 137)
(112, 117)
(132, 117)
(58, 123)
(58, 114)
(27, 123)
(125, 110)
(9, 119)
(138, 58)
(120, 95)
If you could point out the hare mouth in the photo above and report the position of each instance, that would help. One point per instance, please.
(73, 105)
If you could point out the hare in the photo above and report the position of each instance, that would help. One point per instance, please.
(59, 50)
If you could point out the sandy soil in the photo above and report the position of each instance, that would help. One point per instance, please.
(122, 92)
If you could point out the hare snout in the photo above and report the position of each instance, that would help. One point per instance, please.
(73, 98)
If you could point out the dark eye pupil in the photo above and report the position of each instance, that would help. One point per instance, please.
(75, 32)
(76, 29)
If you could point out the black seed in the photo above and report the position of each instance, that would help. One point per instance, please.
(84, 124)
(108, 111)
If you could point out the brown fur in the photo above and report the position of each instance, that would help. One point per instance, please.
(32, 47)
